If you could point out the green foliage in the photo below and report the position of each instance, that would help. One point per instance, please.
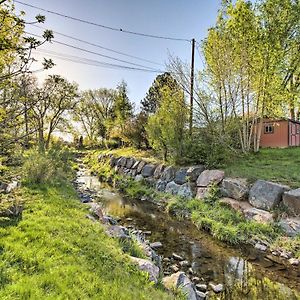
(154, 96)
(278, 165)
(223, 223)
(289, 244)
(166, 128)
(49, 167)
(55, 252)
(135, 132)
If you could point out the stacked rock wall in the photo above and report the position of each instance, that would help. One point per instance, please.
(254, 201)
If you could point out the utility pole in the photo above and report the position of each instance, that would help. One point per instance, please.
(192, 87)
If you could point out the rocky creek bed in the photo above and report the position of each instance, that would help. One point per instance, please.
(207, 268)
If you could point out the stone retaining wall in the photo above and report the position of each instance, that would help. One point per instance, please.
(255, 201)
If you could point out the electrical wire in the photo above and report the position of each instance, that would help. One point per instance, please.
(99, 46)
(91, 52)
(85, 61)
(103, 26)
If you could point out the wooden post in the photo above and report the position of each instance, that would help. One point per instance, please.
(192, 87)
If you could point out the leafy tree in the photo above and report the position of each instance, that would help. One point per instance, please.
(166, 128)
(135, 132)
(95, 112)
(154, 96)
(122, 110)
(52, 102)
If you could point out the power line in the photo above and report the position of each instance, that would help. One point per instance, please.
(99, 46)
(92, 52)
(85, 61)
(104, 26)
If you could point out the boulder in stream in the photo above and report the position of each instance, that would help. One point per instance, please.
(148, 267)
(179, 280)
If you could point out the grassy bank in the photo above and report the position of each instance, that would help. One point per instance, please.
(55, 252)
(212, 216)
(278, 165)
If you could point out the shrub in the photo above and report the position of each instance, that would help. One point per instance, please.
(47, 167)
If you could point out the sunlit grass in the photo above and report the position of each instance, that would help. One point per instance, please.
(55, 252)
(278, 165)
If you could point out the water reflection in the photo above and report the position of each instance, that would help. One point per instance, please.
(210, 260)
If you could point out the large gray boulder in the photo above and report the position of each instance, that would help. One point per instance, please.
(168, 174)
(291, 226)
(180, 281)
(266, 195)
(130, 162)
(148, 170)
(158, 171)
(148, 267)
(194, 172)
(161, 185)
(236, 188)
(291, 200)
(172, 188)
(141, 166)
(181, 176)
(185, 191)
(208, 177)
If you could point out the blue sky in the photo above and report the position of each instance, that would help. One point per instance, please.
(177, 18)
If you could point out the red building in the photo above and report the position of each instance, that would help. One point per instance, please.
(280, 133)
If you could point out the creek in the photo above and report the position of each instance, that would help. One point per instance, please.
(245, 272)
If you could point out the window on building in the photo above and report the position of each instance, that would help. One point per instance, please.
(269, 128)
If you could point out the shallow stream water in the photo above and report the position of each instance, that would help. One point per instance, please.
(245, 273)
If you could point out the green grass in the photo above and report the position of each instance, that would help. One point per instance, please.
(55, 252)
(222, 222)
(146, 155)
(278, 165)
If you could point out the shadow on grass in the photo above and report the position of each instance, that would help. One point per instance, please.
(8, 222)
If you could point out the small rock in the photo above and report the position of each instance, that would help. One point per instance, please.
(191, 271)
(156, 245)
(260, 247)
(196, 279)
(177, 257)
(285, 254)
(275, 253)
(184, 263)
(148, 232)
(129, 219)
(166, 259)
(217, 288)
(201, 295)
(201, 287)
(174, 268)
(294, 261)
(138, 178)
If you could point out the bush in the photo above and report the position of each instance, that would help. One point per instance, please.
(47, 167)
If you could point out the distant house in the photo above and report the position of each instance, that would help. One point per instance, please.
(280, 133)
